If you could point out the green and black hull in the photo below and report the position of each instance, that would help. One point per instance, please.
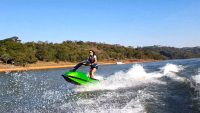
(79, 78)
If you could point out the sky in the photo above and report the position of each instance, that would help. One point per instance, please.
(125, 22)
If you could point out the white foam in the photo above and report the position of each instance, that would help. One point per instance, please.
(196, 78)
(171, 68)
(136, 105)
(196, 84)
(133, 77)
(98, 105)
(99, 77)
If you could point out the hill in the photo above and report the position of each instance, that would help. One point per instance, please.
(174, 53)
(13, 51)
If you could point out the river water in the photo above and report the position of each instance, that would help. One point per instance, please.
(171, 86)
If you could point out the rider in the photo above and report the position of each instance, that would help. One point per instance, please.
(91, 61)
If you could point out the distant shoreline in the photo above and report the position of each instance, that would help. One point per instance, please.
(52, 65)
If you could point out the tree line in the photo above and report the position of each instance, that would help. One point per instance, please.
(13, 51)
(175, 53)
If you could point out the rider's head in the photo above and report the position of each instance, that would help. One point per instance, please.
(91, 52)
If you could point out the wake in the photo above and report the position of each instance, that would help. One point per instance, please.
(135, 76)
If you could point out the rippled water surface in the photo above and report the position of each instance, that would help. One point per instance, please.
(158, 87)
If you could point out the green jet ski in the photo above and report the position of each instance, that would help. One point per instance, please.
(79, 78)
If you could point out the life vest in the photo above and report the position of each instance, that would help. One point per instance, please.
(91, 59)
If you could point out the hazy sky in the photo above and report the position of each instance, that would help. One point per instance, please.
(126, 22)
